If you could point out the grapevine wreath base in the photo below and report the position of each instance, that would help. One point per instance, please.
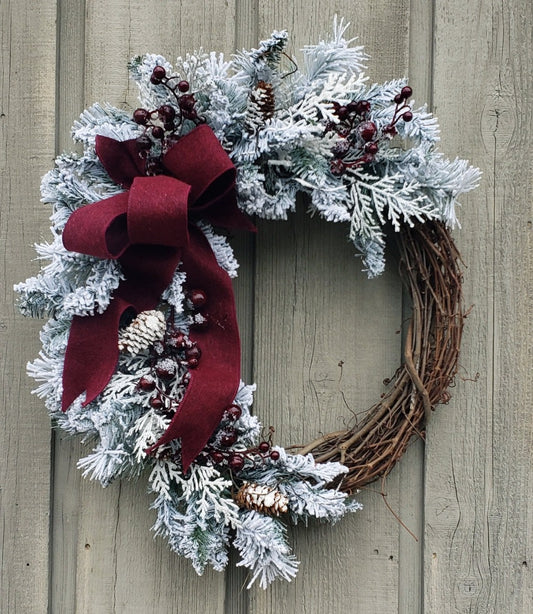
(141, 352)
(370, 449)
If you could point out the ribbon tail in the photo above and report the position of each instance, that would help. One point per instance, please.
(215, 382)
(92, 354)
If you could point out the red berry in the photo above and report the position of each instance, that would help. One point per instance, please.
(341, 148)
(193, 352)
(367, 130)
(236, 462)
(147, 384)
(342, 112)
(166, 371)
(198, 298)
(337, 167)
(201, 460)
(166, 112)
(169, 126)
(159, 72)
(398, 98)
(372, 148)
(141, 116)
(156, 402)
(187, 102)
(192, 114)
(363, 107)
(406, 92)
(407, 116)
(234, 412)
(217, 457)
(158, 132)
(274, 455)
(193, 363)
(390, 131)
(178, 339)
(183, 86)
(228, 438)
(264, 446)
(366, 158)
(352, 106)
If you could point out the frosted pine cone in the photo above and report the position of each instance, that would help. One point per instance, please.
(147, 328)
(264, 499)
(261, 106)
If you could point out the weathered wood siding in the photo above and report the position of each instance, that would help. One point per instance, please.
(68, 546)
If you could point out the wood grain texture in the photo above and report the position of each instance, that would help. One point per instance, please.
(27, 136)
(304, 310)
(325, 340)
(478, 543)
(382, 27)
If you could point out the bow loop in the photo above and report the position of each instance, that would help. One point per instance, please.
(187, 160)
(207, 190)
(120, 159)
(99, 229)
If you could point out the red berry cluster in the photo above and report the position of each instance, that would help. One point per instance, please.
(161, 125)
(175, 351)
(219, 452)
(360, 136)
(168, 359)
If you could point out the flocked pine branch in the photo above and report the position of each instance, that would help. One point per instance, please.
(262, 545)
(333, 56)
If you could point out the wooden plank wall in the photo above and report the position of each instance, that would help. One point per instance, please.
(68, 546)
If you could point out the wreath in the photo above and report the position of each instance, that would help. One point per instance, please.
(141, 349)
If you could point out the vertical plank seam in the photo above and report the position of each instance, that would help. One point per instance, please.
(432, 44)
(57, 77)
(115, 548)
(428, 95)
(51, 523)
(492, 346)
(51, 515)
(251, 373)
(60, 19)
(430, 99)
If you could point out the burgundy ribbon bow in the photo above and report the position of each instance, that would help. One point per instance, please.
(148, 229)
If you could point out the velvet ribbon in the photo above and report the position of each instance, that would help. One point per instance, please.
(150, 229)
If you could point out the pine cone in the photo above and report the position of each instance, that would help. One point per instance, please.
(147, 328)
(264, 499)
(261, 106)
(264, 94)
